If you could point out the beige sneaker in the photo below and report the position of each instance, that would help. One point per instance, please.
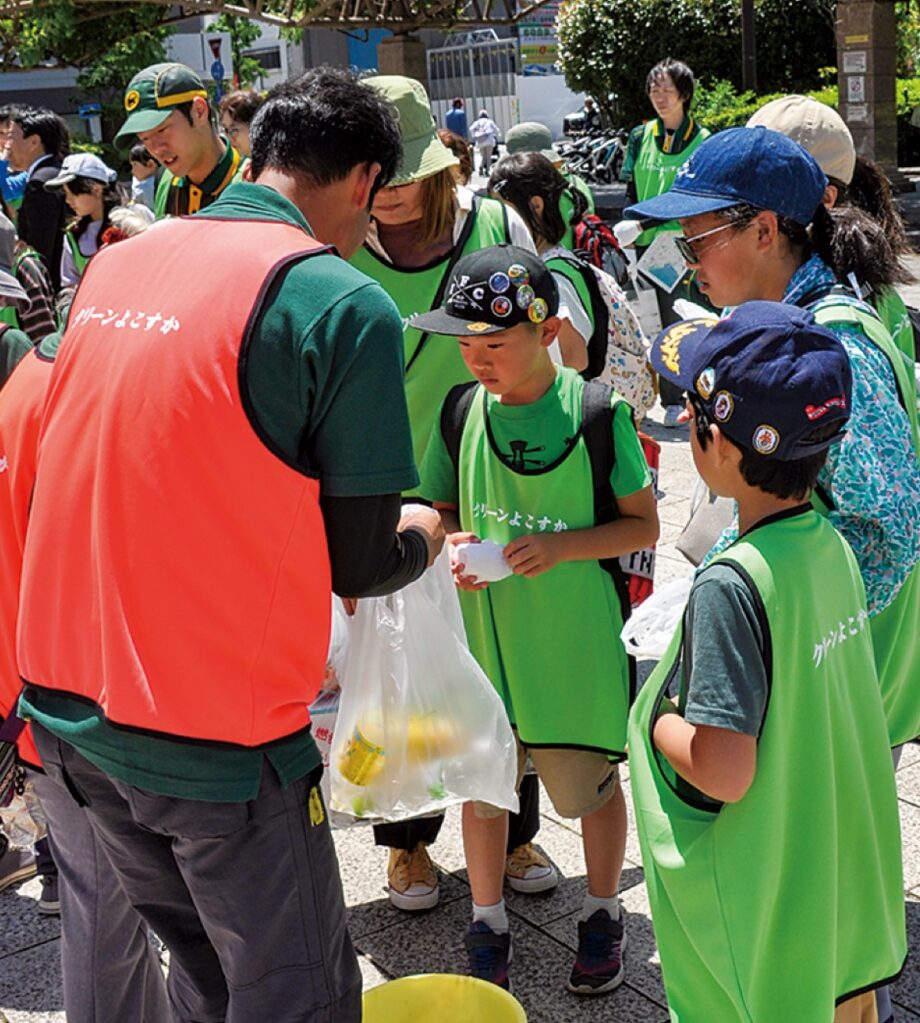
(412, 883)
(528, 870)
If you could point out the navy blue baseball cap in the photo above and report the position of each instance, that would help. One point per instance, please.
(768, 375)
(755, 166)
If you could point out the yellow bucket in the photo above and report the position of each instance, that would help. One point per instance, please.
(441, 997)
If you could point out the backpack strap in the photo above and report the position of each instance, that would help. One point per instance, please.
(597, 342)
(598, 404)
(454, 414)
(455, 255)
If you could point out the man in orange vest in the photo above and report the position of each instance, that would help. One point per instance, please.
(226, 447)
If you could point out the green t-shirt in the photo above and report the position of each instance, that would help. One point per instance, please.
(535, 435)
(14, 344)
(316, 360)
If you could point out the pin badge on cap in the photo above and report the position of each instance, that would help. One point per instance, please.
(478, 328)
(723, 406)
(499, 283)
(705, 383)
(537, 311)
(766, 440)
(501, 305)
(518, 274)
(525, 295)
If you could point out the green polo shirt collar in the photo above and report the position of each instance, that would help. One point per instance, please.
(243, 200)
(213, 181)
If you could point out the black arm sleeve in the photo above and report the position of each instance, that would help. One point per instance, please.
(369, 558)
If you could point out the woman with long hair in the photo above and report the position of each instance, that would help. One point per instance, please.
(534, 188)
(421, 224)
(755, 226)
(92, 192)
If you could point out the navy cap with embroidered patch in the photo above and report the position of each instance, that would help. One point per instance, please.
(768, 375)
(491, 290)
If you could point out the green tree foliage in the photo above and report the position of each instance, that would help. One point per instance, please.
(607, 46)
(243, 34)
(107, 44)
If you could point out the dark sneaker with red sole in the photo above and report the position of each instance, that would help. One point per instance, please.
(599, 963)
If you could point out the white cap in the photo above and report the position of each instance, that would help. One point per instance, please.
(817, 128)
(82, 165)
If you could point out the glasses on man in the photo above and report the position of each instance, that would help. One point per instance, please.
(685, 246)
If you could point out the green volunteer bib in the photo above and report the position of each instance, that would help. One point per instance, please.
(549, 644)
(79, 260)
(433, 364)
(895, 633)
(10, 316)
(655, 172)
(770, 909)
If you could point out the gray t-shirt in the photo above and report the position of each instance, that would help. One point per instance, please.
(727, 673)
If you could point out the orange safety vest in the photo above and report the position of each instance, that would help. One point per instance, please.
(20, 413)
(176, 572)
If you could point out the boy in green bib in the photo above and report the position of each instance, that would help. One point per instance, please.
(764, 792)
(512, 478)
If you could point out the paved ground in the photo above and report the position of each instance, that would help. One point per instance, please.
(393, 944)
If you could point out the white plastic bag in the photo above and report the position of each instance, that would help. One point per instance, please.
(648, 631)
(419, 727)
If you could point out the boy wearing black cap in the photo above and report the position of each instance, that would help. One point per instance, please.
(764, 794)
(514, 468)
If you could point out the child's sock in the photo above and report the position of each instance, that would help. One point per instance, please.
(495, 916)
(592, 904)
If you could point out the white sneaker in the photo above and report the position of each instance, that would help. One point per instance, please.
(671, 413)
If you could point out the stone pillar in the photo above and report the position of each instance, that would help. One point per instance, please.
(403, 55)
(866, 63)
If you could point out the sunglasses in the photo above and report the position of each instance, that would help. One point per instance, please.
(685, 245)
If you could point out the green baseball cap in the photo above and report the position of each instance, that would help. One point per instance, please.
(423, 152)
(153, 93)
(531, 137)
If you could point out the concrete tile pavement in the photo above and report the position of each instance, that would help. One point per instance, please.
(393, 944)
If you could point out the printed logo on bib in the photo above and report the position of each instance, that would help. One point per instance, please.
(134, 320)
(838, 635)
(518, 519)
(723, 406)
(766, 440)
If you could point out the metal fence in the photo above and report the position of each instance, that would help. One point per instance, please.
(481, 72)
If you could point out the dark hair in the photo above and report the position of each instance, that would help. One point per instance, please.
(457, 103)
(186, 110)
(680, 75)
(461, 149)
(8, 112)
(518, 178)
(870, 190)
(845, 238)
(322, 125)
(139, 154)
(112, 196)
(241, 105)
(782, 479)
(46, 124)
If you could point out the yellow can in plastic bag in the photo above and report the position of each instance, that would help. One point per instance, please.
(362, 760)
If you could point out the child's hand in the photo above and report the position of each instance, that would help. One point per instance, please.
(534, 553)
(464, 582)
